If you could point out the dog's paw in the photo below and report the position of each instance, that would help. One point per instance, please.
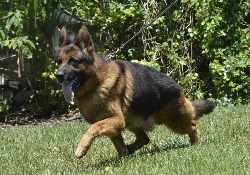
(79, 153)
(130, 149)
(83, 146)
(81, 150)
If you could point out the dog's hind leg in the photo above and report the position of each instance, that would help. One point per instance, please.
(111, 127)
(184, 124)
(180, 117)
(141, 140)
(193, 133)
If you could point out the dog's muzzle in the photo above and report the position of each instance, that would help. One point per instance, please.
(60, 76)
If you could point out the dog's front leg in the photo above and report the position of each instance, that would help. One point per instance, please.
(120, 145)
(111, 127)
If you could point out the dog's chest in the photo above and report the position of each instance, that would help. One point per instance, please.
(93, 108)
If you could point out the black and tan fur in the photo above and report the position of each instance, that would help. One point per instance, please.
(118, 95)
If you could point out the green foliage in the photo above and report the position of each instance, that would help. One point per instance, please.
(223, 36)
(3, 107)
(231, 79)
(12, 35)
(152, 64)
(52, 92)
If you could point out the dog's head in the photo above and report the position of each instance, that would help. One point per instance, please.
(73, 59)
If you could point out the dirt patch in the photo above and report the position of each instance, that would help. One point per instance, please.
(23, 118)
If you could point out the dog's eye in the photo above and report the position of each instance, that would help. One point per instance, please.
(73, 61)
(86, 59)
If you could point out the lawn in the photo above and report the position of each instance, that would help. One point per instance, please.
(224, 149)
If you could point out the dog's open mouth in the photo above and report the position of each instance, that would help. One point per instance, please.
(69, 88)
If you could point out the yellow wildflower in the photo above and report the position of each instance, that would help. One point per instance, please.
(107, 168)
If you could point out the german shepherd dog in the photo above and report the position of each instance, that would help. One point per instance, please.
(117, 95)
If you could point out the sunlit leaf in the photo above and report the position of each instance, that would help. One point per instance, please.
(30, 43)
(10, 22)
(2, 35)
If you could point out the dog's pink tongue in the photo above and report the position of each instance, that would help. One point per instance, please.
(67, 92)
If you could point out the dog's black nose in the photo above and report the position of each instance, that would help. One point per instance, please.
(60, 76)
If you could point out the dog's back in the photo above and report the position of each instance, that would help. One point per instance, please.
(151, 89)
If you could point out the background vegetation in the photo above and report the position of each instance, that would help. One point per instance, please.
(49, 149)
(205, 46)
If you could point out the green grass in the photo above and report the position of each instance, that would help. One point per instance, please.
(224, 149)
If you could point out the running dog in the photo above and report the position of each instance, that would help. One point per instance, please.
(117, 95)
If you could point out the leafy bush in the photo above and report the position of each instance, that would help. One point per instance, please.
(204, 45)
(3, 107)
(222, 32)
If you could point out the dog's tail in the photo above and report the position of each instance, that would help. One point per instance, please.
(202, 107)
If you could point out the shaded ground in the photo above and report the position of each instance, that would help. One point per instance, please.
(24, 118)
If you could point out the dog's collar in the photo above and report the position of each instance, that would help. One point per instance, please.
(76, 84)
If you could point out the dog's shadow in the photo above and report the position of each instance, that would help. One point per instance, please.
(153, 149)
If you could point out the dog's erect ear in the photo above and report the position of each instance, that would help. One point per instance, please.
(84, 40)
(63, 37)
